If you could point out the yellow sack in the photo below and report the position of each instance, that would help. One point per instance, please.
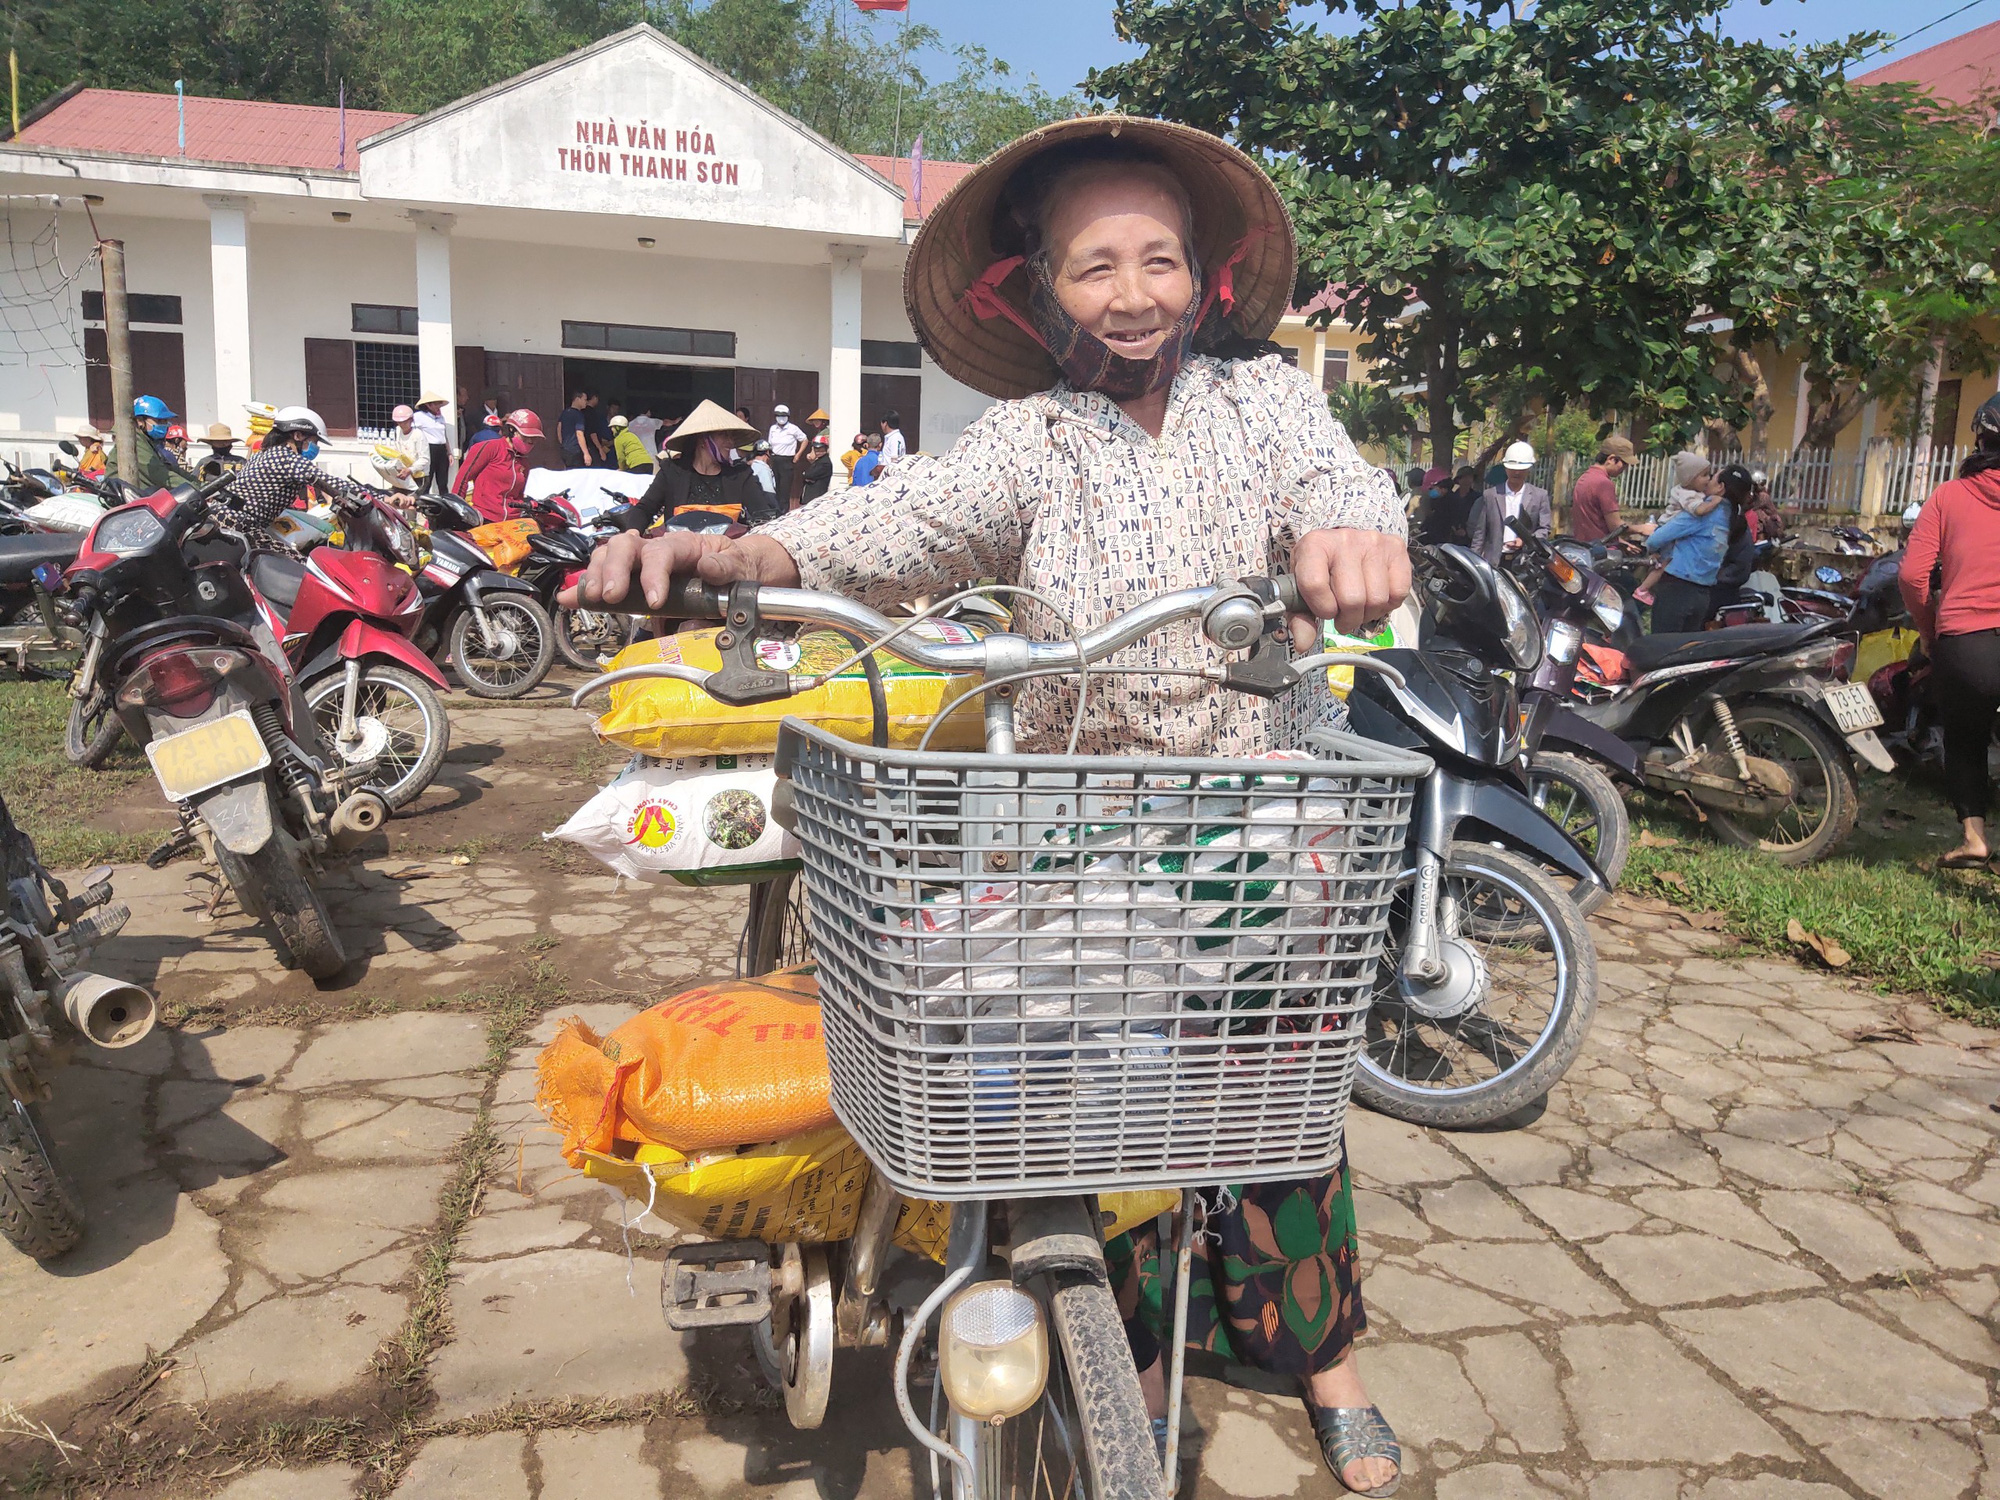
(667, 718)
(506, 542)
(1880, 648)
(806, 1188)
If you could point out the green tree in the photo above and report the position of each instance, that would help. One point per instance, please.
(1541, 197)
(1374, 415)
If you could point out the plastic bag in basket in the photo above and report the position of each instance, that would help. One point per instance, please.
(727, 1065)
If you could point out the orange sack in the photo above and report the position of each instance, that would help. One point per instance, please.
(727, 1065)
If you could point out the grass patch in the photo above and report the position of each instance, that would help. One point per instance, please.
(1909, 926)
(50, 798)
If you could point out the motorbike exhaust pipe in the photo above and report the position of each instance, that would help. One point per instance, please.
(357, 817)
(113, 1013)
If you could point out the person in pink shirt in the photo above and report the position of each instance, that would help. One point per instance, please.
(494, 476)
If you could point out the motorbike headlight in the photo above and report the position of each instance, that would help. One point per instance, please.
(1608, 605)
(1522, 631)
(399, 538)
(127, 532)
(993, 1351)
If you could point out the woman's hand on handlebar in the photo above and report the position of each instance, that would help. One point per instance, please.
(628, 563)
(1348, 577)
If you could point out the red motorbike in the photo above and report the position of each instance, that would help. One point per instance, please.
(348, 613)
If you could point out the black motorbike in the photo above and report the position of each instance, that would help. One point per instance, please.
(500, 639)
(1489, 984)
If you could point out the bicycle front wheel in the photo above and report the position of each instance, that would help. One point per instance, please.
(774, 933)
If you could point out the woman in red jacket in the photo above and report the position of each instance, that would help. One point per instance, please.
(494, 476)
(1957, 542)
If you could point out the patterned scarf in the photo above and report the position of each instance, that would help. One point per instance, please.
(1087, 363)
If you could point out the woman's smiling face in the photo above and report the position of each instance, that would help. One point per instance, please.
(1118, 260)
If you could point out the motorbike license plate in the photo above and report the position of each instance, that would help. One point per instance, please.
(1853, 707)
(208, 755)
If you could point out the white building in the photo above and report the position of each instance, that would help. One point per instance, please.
(625, 219)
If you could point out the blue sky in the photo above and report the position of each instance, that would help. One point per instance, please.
(1061, 40)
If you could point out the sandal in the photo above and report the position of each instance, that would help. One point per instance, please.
(1348, 1434)
(1965, 861)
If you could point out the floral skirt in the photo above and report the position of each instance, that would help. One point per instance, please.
(1276, 1281)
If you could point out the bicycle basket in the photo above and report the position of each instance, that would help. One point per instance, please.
(1046, 974)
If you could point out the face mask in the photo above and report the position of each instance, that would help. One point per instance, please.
(309, 452)
(1087, 363)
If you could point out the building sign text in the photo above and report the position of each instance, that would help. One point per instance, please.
(606, 148)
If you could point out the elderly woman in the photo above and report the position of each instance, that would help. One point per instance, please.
(1112, 281)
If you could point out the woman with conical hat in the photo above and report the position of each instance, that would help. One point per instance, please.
(696, 469)
(1112, 281)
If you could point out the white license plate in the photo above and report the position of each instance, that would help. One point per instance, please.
(207, 755)
(1853, 707)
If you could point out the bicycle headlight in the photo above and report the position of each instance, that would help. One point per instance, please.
(1523, 633)
(993, 1351)
(1608, 605)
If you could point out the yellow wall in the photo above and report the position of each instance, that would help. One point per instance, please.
(1313, 347)
(1781, 369)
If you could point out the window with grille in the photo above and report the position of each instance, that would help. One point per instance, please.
(634, 338)
(892, 354)
(1334, 371)
(371, 317)
(385, 377)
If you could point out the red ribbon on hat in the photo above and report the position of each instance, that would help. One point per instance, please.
(1222, 286)
(983, 300)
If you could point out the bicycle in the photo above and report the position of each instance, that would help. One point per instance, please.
(1042, 978)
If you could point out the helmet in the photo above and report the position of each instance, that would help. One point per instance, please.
(1911, 511)
(176, 433)
(401, 414)
(291, 419)
(1759, 478)
(524, 422)
(1518, 456)
(1986, 422)
(153, 409)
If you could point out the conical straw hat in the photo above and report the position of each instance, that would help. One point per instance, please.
(1240, 222)
(708, 418)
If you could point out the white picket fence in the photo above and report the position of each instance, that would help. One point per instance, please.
(1812, 481)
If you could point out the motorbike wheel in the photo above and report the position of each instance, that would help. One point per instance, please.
(1585, 804)
(1525, 974)
(528, 647)
(1825, 800)
(295, 910)
(419, 730)
(38, 1215)
(774, 934)
(93, 732)
(585, 635)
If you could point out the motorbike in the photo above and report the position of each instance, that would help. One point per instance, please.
(1575, 769)
(33, 637)
(1199, 1046)
(52, 1003)
(349, 611)
(557, 555)
(192, 659)
(1489, 983)
(501, 640)
(1754, 724)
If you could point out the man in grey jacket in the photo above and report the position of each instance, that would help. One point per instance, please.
(1490, 535)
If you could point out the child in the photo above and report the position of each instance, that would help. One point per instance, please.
(1694, 491)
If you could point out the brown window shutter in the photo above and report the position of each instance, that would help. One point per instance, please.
(97, 377)
(901, 394)
(159, 368)
(330, 384)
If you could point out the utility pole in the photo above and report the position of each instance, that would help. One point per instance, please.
(118, 350)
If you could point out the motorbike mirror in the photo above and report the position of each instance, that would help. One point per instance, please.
(66, 446)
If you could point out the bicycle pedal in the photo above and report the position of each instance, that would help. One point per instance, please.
(717, 1284)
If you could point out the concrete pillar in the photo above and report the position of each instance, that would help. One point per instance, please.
(1801, 402)
(437, 361)
(1319, 359)
(844, 358)
(229, 275)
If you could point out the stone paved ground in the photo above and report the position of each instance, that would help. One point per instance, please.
(1748, 1251)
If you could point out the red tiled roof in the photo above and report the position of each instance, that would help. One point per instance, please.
(939, 176)
(1963, 69)
(249, 132)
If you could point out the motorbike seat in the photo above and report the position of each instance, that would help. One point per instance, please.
(277, 578)
(1649, 653)
(21, 554)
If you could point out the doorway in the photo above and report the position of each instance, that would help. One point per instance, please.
(672, 391)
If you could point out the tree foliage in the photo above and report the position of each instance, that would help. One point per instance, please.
(1546, 199)
(862, 88)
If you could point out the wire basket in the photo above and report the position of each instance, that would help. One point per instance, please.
(1046, 974)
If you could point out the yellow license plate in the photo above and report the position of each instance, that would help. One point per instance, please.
(208, 755)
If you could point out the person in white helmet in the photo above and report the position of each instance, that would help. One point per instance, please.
(787, 439)
(1491, 536)
(281, 474)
